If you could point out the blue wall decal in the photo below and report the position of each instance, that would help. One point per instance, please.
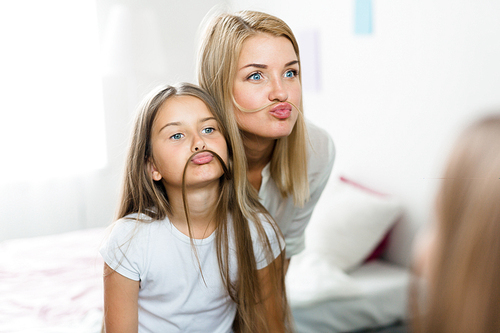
(363, 17)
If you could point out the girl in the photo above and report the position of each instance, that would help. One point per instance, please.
(188, 252)
(461, 259)
(250, 63)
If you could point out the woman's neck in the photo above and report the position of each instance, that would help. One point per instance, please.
(258, 152)
(202, 203)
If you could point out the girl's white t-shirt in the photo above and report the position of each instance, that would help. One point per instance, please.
(173, 294)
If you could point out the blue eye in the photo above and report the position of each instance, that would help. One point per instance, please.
(291, 73)
(177, 136)
(255, 76)
(208, 130)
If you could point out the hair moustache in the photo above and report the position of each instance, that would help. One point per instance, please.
(242, 109)
(227, 174)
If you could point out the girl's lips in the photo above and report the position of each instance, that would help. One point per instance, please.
(202, 158)
(281, 111)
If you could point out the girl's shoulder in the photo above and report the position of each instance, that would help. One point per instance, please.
(132, 221)
(131, 243)
(133, 226)
(268, 225)
(268, 243)
(262, 222)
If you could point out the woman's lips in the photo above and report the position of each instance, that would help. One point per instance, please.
(202, 158)
(281, 111)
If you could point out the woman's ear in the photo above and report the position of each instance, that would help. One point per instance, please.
(155, 174)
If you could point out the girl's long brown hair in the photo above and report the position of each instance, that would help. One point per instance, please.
(463, 287)
(142, 195)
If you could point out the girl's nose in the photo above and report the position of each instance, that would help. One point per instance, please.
(198, 144)
(278, 91)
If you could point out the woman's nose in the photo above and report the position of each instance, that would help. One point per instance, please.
(278, 91)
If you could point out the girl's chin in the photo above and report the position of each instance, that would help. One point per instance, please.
(199, 180)
(204, 179)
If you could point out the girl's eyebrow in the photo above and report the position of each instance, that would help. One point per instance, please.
(174, 123)
(207, 119)
(293, 62)
(178, 123)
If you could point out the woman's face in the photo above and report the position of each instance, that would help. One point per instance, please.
(267, 71)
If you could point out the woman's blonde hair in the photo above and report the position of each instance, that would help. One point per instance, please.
(218, 58)
(463, 292)
(144, 196)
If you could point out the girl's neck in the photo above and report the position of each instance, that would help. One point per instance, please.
(202, 205)
(258, 152)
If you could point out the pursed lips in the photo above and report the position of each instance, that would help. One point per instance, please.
(202, 158)
(281, 111)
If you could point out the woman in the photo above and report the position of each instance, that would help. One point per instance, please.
(250, 63)
(460, 261)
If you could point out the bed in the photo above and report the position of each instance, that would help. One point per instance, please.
(379, 303)
(53, 284)
(341, 281)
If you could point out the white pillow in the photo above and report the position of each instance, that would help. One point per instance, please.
(310, 279)
(348, 223)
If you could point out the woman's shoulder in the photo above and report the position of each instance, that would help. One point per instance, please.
(321, 152)
(318, 135)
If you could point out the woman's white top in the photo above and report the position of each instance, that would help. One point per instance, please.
(292, 219)
(173, 295)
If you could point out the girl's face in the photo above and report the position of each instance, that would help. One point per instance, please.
(184, 125)
(267, 71)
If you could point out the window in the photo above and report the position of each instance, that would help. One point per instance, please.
(51, 110)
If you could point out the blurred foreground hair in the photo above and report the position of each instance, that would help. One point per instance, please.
(463, 286)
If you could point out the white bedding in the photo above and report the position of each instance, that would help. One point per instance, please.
(378, 298)
(52, 284)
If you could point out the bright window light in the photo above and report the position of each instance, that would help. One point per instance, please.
(51, 109)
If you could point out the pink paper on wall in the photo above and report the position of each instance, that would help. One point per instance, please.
(309, 43)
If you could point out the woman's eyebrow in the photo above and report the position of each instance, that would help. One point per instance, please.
(254, 65)
(293, 62)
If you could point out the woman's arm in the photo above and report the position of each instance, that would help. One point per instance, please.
(120, 302)
(272, 294)
(321, 157)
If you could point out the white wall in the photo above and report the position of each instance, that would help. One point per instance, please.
(144, 42)
(394, 100)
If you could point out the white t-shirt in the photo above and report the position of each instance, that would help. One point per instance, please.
(173, 296)
(291, 219)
